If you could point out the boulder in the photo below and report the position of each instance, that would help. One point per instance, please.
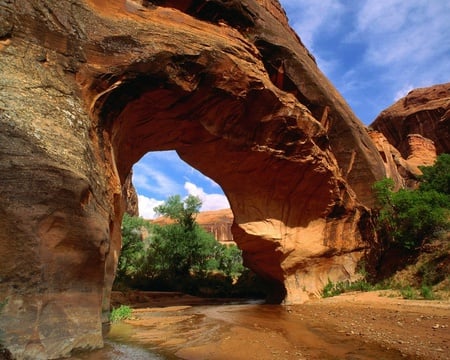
(89, 87)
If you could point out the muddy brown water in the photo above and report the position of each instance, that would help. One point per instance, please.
(231, 332)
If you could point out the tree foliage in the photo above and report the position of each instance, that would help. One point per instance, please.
(183, 212)
(185, 247)
(135, 235)
(409, 218)
(437, 177)
(171, 254)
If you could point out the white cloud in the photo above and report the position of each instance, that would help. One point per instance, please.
(381, 16)
(409, 39)
(375, 51)
(149, 179)
(310, 18)
(146, 206)
(403, 92)
(209, 201)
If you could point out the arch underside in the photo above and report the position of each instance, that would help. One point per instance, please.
(269, 154)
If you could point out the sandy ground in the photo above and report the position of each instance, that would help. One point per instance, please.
(352, 326)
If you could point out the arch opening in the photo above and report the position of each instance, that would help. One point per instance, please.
(243, 141)
(157, 176)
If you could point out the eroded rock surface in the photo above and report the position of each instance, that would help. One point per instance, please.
(216, 222)
(88, 87)
(412, 132)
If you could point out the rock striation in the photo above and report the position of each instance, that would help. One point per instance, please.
(412, 132)
(89, 87)
(216, 222)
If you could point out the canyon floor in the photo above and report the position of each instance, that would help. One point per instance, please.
(353, 326)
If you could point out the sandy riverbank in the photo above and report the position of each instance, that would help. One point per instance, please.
(351, 326)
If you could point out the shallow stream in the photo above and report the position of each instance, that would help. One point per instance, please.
(231, 332)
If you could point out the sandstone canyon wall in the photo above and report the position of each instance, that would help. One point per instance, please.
(412, 132)
(216, 222)
(88, 87)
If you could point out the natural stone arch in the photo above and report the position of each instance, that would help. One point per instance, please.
(92, 86)
(221, 135)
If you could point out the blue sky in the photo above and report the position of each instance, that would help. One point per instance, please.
(373, 51)
(161, 174)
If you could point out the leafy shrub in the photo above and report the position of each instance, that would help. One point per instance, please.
(409, 218)
(340, 287)
(408, 293)
(121, 313)
(427, 292)
(333, 289)
(437, 176)
(418, 215)
(135, 237)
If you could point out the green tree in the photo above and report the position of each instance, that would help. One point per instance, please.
(437, 177)
(135, 233)
(409, 218)
(183, 212)
(230, 260)
(386, 216)
(183, 246)
(418, 216)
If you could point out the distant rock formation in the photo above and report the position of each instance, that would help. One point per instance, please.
(216, 222)
(412, 132)
(88, 87)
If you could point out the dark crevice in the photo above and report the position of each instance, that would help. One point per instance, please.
(231, 12)
(5, 36)
(274, 58)
(274, 61)
(183, 69)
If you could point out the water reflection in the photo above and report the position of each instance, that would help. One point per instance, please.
(119, 351)
(239, 332)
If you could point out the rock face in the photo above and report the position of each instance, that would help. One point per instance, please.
(131, 197)
(216, 222)
(413, 131)
(88, 87)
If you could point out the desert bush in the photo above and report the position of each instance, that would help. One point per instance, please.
(410, 218)
(121, 313)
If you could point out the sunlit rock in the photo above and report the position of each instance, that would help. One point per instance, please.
(412, 132)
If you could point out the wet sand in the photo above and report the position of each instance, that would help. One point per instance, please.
(353, 326)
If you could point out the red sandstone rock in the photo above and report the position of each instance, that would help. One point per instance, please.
(424, 111)
(216, 222)
(89, 87)
(131, 197)
(412, 132)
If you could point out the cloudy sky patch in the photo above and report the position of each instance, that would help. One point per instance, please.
(379, 50)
